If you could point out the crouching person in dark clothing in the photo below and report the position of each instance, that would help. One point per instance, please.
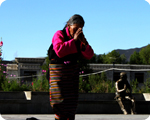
(122, 88)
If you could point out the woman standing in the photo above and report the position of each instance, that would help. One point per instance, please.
(68, 45)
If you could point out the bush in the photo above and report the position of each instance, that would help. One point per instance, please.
(101, 85)
(96, 84)
(87, 84)
(84, 85)
(40, 84)
(13, 85)
(134, 86)
(146, 87)
(2, 73)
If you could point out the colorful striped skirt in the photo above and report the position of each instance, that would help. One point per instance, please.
(64, 85)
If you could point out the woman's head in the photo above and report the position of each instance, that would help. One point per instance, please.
(76, 19)
(75, 22)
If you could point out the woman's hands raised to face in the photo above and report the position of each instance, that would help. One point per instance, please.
(80, 36)
(77, 33)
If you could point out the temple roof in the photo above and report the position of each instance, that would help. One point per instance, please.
(30, 60)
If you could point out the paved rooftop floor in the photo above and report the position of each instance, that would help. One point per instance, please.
(78, 117)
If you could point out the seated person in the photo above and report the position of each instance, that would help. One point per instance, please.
(124, 92)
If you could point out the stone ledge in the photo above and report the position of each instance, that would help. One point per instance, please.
(88, 104)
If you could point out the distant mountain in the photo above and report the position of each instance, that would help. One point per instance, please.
(128, 52)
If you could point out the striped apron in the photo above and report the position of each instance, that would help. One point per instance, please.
(64, 85)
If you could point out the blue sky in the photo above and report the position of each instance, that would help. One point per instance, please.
(27, 26)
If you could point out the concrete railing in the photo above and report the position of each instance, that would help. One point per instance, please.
(91, 103)
(98, 67)
(104, 103)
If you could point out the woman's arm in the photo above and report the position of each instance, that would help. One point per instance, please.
(62, 47)
(87, 52)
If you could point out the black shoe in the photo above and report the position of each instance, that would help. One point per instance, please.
(32, 118)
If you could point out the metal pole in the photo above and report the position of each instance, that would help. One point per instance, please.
(113, 74)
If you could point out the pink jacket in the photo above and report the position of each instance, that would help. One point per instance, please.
(63, 48)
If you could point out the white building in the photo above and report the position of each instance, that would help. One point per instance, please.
(27, 68)
(139, 72)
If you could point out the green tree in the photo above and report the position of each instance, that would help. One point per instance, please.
(123, 59)
(145, 55)
(45, 66)
(111, 57)
(100, 58)
(97, 58)
(93, 59)
(135, 58)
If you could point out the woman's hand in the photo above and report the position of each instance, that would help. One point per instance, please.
(83, 39)
(77, 34)
(80, 36)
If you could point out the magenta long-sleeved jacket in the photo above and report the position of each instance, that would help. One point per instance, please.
(63, 48)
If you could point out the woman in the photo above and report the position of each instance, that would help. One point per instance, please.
(68, 45)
